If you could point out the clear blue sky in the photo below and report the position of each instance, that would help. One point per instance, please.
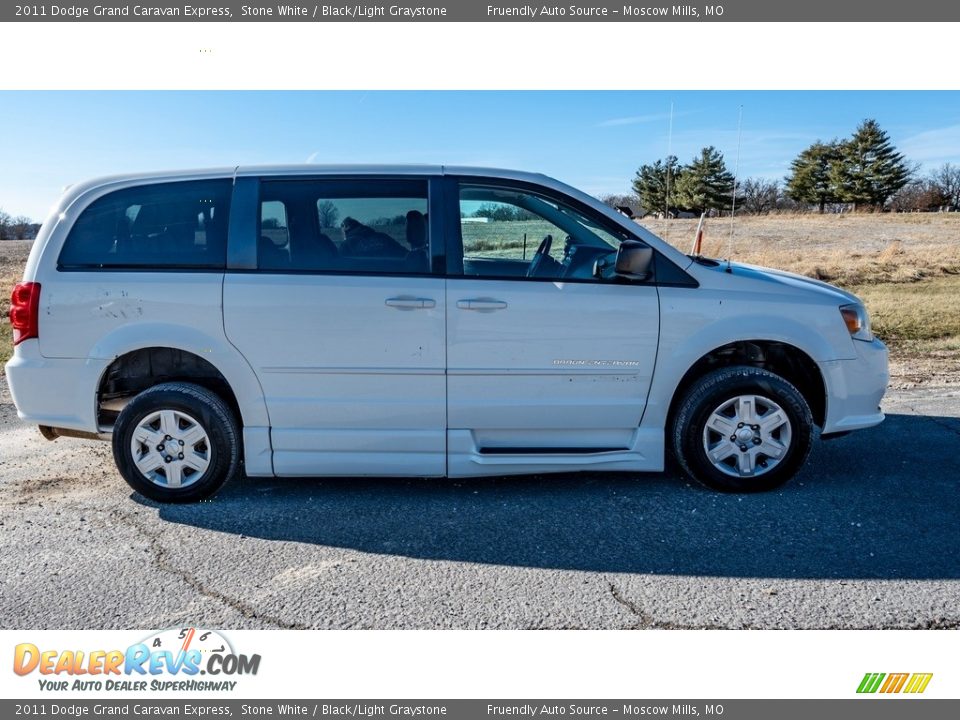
(594, 140)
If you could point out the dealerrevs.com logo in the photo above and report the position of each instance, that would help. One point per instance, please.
(169, 660)
(910, 683)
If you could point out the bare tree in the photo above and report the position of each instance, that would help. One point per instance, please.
(615, 201)
(947, 180)
(759, 196)
(918, 196)
(20, 227)
(328, 214)
(4, 225)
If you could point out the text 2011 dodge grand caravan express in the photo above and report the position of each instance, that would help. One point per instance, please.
(417, 321)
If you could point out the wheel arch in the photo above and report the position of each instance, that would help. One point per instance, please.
(181, 354)
(788, 361)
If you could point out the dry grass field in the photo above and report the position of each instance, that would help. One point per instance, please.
(905, 267)
(847, 250)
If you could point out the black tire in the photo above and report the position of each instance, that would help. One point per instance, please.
(220, 449)
(709, 393)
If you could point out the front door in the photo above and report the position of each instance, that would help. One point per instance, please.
(548, 365)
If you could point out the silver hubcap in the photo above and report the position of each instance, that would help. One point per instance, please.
(747, 436)
(170, 449)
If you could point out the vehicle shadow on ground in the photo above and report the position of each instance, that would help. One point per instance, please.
(881, 503)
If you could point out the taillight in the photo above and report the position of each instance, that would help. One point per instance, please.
(25, 311)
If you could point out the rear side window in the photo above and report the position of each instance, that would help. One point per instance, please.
(348, 226)
(178, 225)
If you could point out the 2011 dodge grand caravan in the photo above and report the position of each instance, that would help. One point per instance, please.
(417, 321)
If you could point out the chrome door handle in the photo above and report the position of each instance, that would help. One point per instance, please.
(481, 304)
(408, 302)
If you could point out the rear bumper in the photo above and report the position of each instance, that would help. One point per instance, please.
(60, 393)
(855, 388)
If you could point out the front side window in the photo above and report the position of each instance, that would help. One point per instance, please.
(350, 226)
(517, 233)
(178, 225)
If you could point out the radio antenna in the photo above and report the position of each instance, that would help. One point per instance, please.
(733, 193)
(666, 195)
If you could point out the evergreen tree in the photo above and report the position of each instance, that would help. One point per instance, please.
(652, 183)
(870, 170)
(810, 179)
(705, 184)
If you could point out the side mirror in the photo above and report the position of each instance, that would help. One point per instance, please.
(634, 260)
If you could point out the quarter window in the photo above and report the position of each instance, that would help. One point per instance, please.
(179, 225)
(350, 226)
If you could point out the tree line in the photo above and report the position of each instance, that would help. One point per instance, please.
(17, 228)
(864, 171)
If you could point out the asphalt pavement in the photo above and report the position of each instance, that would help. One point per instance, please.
(868, 536)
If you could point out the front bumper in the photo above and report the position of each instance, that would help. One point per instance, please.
(855, 388)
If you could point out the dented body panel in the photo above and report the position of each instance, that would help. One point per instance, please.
(326, 380)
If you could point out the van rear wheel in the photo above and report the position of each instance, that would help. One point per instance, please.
(177, 442)
(742, 429)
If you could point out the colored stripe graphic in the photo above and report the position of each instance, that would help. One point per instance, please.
(870, 682)
(918, 683)
(894, 682)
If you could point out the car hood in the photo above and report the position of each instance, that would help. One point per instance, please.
(789, 279)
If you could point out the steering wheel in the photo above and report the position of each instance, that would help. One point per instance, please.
(542, 250)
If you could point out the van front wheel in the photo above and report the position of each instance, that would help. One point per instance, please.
(176, 442)
(742, 429)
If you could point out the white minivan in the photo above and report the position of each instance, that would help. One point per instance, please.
(417, 321)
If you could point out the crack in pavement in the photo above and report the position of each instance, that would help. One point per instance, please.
(161, 559)
(645, 622)
(935, 624)
(935, 421)
(35, 490)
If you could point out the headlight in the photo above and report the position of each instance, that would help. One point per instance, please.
(857, 320)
